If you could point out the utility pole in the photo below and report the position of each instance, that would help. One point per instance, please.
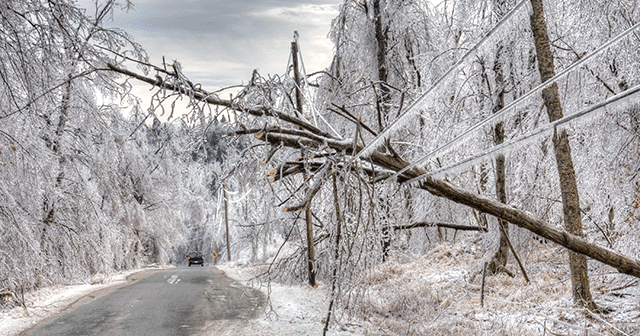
(226, 221)
(307, 213)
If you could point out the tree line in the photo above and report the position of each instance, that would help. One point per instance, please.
(91, 186)
(419, 98)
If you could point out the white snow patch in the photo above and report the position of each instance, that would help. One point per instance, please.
(292, 310)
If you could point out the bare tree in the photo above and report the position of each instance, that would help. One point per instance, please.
(568, 185)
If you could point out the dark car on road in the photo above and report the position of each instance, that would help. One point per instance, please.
(196, 258)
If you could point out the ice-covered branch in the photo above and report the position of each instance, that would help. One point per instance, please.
(540, 131)
(542, 86)
(460, 227)
(319, 181)
(419, 102)
(202, 95)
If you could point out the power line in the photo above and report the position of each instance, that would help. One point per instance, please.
(534, 133)
(522, 98)
(414, 106)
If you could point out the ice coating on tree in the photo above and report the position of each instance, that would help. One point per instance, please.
(422, 100)
(386, 163)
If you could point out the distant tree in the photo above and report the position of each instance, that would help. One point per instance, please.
(86, 190)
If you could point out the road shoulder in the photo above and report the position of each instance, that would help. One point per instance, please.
(291, 310)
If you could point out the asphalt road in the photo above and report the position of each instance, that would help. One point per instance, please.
(178, 301)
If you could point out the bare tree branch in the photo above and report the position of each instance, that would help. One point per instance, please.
(320, 139)
(460, 227)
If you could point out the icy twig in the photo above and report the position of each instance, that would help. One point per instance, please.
(522, 98)
(605, 322)
(394, 126)
(569, 325)
(539, 131)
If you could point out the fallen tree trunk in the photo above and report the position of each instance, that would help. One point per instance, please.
(316, 138)
(442, 225)
(527, 221)
(512, 215)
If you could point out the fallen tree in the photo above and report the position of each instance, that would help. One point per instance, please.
(307, 136)
(441, 225)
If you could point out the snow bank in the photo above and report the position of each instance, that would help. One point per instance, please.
(439, 294)
(291, 310)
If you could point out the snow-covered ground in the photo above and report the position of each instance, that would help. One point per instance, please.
(431, 294)
(291, 310)
(438, 294)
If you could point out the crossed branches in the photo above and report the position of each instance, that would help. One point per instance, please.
(300, 134)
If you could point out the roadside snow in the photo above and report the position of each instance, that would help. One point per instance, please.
(46, 302)
(438, 294)
(292, 310)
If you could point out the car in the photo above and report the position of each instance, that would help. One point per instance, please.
(196, 258)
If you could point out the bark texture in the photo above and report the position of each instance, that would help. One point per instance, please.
(502, 254)
(562, 149)
(382, 99)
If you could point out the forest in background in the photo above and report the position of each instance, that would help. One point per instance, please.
(90, 188)
(428, 118)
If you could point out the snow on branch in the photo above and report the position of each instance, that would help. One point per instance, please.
(503, 112)
(534, 133)
(317, 184)
(403, 119)
(202, 95)
(460, 227)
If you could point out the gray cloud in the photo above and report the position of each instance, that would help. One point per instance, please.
(220, 42)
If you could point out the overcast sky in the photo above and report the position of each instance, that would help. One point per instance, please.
(220, 42)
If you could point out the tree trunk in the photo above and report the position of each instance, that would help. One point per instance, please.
(499, 259)
(310, 248)
(215, 253)
(308, 216)
(568, 184)
(502, 254)
(381, 39)
(381, 101)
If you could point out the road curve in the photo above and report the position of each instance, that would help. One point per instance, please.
(177, 301)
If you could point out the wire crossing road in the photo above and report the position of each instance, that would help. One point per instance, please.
(178, 301)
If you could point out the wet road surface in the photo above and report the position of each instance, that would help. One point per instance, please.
(177, 301)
